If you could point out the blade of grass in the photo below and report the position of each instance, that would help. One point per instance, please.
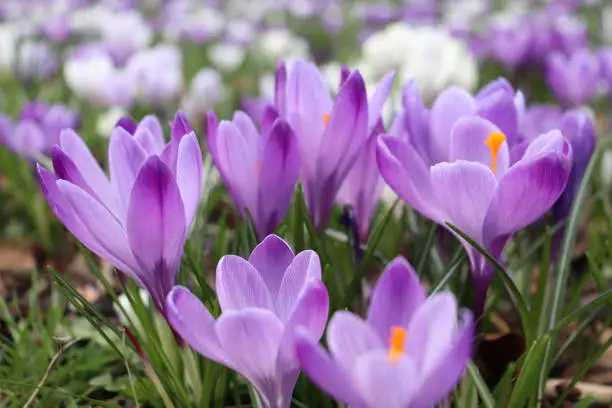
(481, 386)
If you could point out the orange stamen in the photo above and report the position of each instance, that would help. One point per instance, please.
(494, 142)
(326, 118)
(397, 343)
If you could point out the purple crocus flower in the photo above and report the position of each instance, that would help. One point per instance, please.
(38, 128)
(331, 134)
(36, 61)
(363, 185)
(140, 218)
(410, 352)
(476, 188)
(574, 78)
(263, 301)
(259, 169)
(509, 42)
(605, 60)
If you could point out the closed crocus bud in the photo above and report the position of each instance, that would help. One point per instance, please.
(574, 78)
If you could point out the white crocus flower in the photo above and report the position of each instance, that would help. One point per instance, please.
(227, 57)
(108, 120)
(279, 43)
(205, 91)
(8, 48)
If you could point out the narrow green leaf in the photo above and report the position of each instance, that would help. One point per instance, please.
(530, 372)
(485, 394)
(429, 241)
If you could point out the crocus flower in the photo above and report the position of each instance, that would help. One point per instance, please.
(508, 40)
(410, 352)
(38, 128)
(331, 134)
(140, 218)
(363, 185)
(475, 188)
(259, 169)
(35, 61)
(574, 78)
(263, 301)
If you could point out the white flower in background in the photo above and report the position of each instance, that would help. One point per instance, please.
(90, 20)
(606, 24)
(267, 84)
(87, 71)
(106, 122)
(125, 33)
(430, 55)
(205, 91)
(130, 313)
(280, 43)
(8, 48)
(158, 73)
(240, 31)
(227, 57)
(331, 73)
(606, 168)
(463, 14)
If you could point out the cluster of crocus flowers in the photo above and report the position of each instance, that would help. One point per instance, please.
(38, 128)
(411, 350)
(140, 218)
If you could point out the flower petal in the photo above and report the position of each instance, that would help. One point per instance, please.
(156, 239)
(406, 173)
(415, 120)
(324, 371)
(98, 229)
(309, 316)
(346, 132)
(125, 156)
(397, 296)
(239, 285)
(464, 191)
(525, 193)
(251, 339)
(150, 135)
(382, 384)
(189, 175)
(92, 173)
(279, 171)
(468, 143)
(194, 323)
(448, 107)
(271, 258)
(180, 126)
(449, 371)
(348, 337)
(378, 99)
(499, 107)
(431, 332)
(304, 268)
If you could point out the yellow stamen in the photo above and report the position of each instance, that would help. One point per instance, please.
(326, 118)
(494, 142)
(397, 343)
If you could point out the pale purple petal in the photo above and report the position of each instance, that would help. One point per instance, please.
(325, 372)
(378, 99)
(239, 285)
(251, 339)
(448, 107)
(415, 120)
(125, 156)
(449, 371)
(526, 192)
(348, 337)
(304, 268)
(194, 323)
(406, 173)
(464, 191)
(468, 143)
(271, 258)
(397, 296)
(432, 332)
(189, 175)
(150, 135)
(382, 384)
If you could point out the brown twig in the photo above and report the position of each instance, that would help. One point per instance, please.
(602, 393)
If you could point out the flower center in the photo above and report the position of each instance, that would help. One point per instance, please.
(397, 343)
(326, 118)
(494, 142)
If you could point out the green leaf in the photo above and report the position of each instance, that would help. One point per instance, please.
(530, 372)
(481, 386)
